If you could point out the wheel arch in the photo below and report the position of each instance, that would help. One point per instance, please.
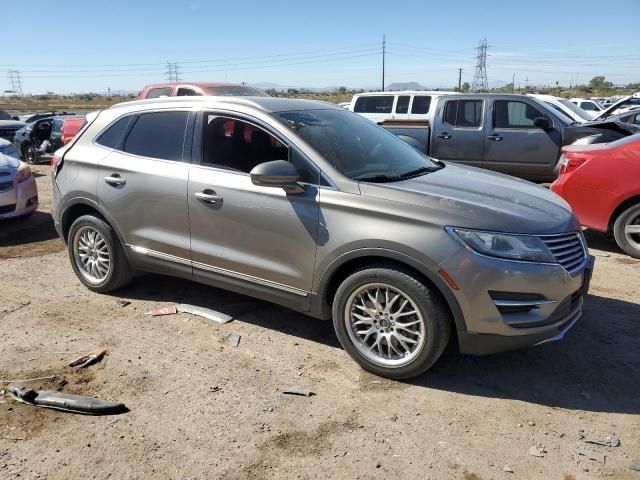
(349, 262)
(621, 208)
(80, 207)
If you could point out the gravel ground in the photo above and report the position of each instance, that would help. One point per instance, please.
(202, 408)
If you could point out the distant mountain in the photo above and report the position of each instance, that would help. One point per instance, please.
(405, 86)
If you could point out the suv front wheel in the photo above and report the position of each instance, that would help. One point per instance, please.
(390, 322)
(96, 255)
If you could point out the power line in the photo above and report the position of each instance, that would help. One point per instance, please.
(480, 81)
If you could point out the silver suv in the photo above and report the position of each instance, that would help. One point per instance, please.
(318, 209)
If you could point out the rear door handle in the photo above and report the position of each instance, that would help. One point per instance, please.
(115, 179)
(495, 138)
(444, 136)
(208, 196)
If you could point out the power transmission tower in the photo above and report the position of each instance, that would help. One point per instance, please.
(480, 81)
(384, 51)
(15, 81)
(172, 72)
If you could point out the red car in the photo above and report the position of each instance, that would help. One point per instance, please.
(71, 126)
(601, 182)
(199, 89)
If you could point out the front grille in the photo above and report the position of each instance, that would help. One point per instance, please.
(7, 209)
(5, 174)
(6, 186)
(567, 248)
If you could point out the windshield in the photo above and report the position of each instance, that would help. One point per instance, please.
(575, 109)
(236, 91)
(357, 147)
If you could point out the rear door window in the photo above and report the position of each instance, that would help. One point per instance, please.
(374, 104)
(515, 114)
(463, 113)
(57, 125)
(187, 92)
(159, 92)
(421, 104)
(158, 135)
(402, 105)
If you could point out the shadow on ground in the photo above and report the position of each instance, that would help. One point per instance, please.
(22, 231)
(595, 368)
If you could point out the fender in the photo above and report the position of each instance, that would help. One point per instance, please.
(384, 253)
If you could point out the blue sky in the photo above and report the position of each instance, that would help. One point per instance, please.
(87, 46)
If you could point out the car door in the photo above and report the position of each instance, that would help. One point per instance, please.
(458, 131)
(56, 134)
(143, 183)
(514, 145)
(262, 236)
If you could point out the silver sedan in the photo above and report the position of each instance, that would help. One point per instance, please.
(18, 191)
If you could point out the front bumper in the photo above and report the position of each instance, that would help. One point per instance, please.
(510, 305)
(20, 200)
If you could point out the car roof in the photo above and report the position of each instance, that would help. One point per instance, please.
(195, 84)
(267, 104)
(407, 92)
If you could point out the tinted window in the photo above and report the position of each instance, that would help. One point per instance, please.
(588, 106)
(158, 92)
(57, 125)
(421, 104)
(112, 136)
(357, 147)
(236, 91)
(374, 104)
(463, 113)
(515, 114)
(236, 145)
(158, 135)
(402, 106)
(187, 92)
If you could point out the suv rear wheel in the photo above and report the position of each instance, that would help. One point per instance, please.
(390, 322)
(96, 255)
(626, 230)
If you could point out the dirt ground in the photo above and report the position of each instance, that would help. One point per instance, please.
(202, 408)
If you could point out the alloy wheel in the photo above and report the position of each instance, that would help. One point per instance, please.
(632, 230)
(384, 324)
(91, 254)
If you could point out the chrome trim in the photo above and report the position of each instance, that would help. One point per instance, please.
(522, 303)
(249, 278)
(160, 255)
(211, 268)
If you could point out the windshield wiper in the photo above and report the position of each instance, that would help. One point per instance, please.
(378, 178)
(417, 172)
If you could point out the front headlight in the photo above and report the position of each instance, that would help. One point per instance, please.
(503, 245)
(24, 172)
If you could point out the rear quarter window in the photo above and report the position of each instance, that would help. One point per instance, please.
(112, 136)
(421, 104)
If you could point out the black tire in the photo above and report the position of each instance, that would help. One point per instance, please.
(436, 318)
(119, 272)
(30, 154)
(630, 244)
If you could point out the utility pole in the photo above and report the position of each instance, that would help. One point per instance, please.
(513, 83)
(15, 81)
(459, 80)
(480, 81)
(384, 51)
(526, 85)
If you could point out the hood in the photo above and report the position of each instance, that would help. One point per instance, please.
(8, 163)
(616, 106)
(12, 124)
(470, 197)
(603, 131)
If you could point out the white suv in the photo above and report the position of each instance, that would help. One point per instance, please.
(405, 105)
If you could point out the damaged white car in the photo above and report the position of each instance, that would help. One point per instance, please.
(18, 191)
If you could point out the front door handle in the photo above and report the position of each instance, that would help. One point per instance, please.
(444, 136)
(208, 196)
(495, 138)
(115, 179)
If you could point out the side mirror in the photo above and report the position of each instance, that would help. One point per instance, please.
(279, 174)
(15, 117)
(542, 123)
